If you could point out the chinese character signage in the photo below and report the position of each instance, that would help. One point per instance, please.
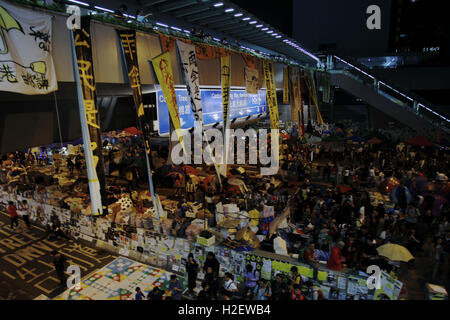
(90, 118)
(189, 65)
(26, 64)
(269, 78)
(129, 50)
(163, 70)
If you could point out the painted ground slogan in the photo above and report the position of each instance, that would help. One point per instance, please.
(26, 64)
(27, 261)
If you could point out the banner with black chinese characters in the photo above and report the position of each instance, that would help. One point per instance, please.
(189, 65)
(293, 79)
(129, 51)
(225, 80)
(271, 94)
(163, 69)
(92, 136)
(251, 80)
(26, 63)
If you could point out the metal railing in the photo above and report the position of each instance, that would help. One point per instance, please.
(407, 100)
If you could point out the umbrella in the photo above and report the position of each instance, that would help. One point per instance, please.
(190, 170)
(133, 131)
(395, 252)
(374, 140)
(388, 185)
(419, 141)
(7, 22)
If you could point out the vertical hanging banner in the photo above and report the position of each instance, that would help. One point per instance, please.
(302, 115)
(251, 80)
(285, 86)
(163, 70)
(190, 67)
(293, 71)
(189, 64)
(129, 51)
(26, 63)
(225, 81)
(89, 116)
(269, 78)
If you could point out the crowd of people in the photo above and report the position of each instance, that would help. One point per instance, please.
(326, 187)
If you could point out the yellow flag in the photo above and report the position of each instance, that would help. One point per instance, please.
(163, 70)
(269, 78)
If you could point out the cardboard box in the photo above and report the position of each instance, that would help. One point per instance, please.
(206, 242)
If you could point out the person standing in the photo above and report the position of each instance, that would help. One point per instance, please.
(12, 210)
(59, 262)
(190, 189)
(139, 294)
(192, 271)
(25, 209)
(229, 287)
(251, 278)
(335, 260)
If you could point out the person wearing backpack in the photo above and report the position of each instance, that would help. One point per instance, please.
(262, 291)
(229, 287)
(251, 277)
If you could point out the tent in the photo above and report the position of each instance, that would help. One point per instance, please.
(132, 130)
(356, 139)
(419, 140)
(374, 140)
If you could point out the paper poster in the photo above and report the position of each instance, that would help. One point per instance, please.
(266, 270)
(322, 276)
(352, 286)
(251, 80)
(342, 283)
(306, 271)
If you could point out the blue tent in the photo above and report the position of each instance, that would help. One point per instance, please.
(356, 139)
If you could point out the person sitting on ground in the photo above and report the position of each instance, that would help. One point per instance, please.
(206, 293)
(175, 288)
(155, 294)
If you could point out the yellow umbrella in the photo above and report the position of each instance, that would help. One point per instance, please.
(395, 252)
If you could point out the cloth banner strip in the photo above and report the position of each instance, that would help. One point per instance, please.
(163, 70)
(26, 63)
(205, 51)
(129, 51)
(302, 115)
(89, 115)
(225, 81)
(269, 79)
(189, 65)
(251, 80)
(285, 86)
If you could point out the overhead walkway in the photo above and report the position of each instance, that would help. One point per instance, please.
(407, 108)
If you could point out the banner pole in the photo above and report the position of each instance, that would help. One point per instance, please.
(57, 118)
(93, 182)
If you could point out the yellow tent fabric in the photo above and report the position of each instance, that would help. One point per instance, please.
(395, 252)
